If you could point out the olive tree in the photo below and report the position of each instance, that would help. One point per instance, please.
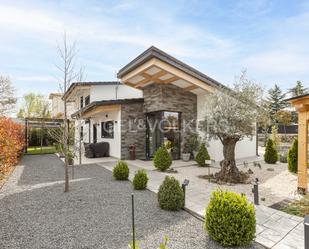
(231, 115)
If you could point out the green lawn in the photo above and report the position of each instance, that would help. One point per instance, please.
(45, 150)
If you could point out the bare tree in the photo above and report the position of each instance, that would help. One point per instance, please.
(7, 99)
(68, 54)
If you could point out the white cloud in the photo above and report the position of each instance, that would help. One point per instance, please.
(176, 37)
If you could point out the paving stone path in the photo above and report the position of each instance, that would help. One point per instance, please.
(275, 229)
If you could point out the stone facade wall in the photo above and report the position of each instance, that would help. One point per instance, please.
(167, 97)
(132, 129)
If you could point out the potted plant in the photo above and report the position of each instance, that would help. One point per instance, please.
(186, 153)
(193, 143)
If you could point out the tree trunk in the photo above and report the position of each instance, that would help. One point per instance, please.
(229, 172)
(66, 149)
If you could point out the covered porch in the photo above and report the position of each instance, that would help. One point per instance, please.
(99, 122)
(171, 91)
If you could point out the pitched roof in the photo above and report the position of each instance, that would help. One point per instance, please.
(89, 83)
(95, 104)
(154, 52)
(297, 97)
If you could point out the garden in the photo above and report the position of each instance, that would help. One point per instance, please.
(96, 212)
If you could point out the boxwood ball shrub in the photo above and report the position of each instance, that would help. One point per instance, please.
(170, 195)
(202, 155)
(271, 154)
(121, 171)
(292, 157)
(162, 160)
(230, 219)
(140, 180)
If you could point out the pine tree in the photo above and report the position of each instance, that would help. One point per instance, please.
(298, 89)
(292, 157)
(276, 100)
(271, 154)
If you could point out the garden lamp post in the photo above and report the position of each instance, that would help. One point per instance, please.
(184, 185)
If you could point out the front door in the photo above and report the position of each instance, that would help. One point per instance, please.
(94, 133)
(153, 134)
(163, 127)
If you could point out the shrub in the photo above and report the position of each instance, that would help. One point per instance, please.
(11, 143)
(170, 195)
(140, 180)
(162, 160)
(274, 136)
(230, 219)
(292, 157)
(121, 171)
(202, 155)
(271, 154)
(192, 142)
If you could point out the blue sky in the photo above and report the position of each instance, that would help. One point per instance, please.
(220, 38)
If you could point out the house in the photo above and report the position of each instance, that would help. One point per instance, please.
(57, 106)
(158, 100)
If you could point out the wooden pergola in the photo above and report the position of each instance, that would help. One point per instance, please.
(301, 104)
(41, 123)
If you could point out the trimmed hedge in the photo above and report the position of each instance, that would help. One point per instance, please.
(162, 160)
(140, 180)
(292, 156)
(121, 171)
(11, 144)
(271, 154)
(170, 195)
(230, 219)
(202, 155)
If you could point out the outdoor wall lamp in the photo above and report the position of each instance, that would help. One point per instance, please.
(184, 185)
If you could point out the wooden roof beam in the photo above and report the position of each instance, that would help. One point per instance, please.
(148, 78)
(190, 88)
(170, 80)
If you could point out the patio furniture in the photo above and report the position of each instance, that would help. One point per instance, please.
(97, 150)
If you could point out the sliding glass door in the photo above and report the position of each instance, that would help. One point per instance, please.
(163, 127)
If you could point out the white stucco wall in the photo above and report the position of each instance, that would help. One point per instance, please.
(57, 107)
(114, 143)
(107, 92)
(244, 148)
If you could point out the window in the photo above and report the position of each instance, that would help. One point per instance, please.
(87, 100)
(81, 133)
(81, 101)
(107, 129)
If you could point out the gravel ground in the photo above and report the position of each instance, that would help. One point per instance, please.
(96, 213)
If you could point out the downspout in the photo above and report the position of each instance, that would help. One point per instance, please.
(116, 90)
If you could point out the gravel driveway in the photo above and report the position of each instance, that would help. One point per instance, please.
(96, 213)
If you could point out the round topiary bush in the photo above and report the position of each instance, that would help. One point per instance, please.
(271, 154)
(170, 195)
(121, 171)
(230, 219)
(202, 155)
(292, 157)
(162, 160)
(140, 180)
